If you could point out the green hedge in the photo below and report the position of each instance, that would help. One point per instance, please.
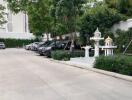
(66, 55)
(13, 43)
(60, 55)
(119, 64)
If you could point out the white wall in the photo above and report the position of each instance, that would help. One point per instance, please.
(18, 22)
(16, 26)
(123, 25)
(17, 35)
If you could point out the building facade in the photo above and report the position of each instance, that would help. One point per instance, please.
(16, 24)
(122, 25)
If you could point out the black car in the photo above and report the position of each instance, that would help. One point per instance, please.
(55, 45)
(41, 46)
(2, 45)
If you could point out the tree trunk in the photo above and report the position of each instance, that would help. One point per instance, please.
(47, 36)
(72, 42)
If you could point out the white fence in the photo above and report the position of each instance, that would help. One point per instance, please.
(123, 25)
(17, 35)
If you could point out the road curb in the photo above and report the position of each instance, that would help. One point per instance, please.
(112, 74)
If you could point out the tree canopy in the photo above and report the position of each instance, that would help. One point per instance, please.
(49, 15)
(2, 13)
(123, 6)
(40, 20)
(68, 16)
(100, 16)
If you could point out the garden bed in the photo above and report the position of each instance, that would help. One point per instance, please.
(120, 64)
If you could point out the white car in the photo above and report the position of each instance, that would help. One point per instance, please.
(31, 46)
(2, 45)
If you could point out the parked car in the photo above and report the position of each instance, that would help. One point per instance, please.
(42, 44)
(2, 45)
(54, 45)
(39, 50)
(34, 46)
(31, 46)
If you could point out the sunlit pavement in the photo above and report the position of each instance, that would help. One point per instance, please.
(26, 76)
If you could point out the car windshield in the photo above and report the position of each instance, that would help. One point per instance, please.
(53, 43)
(46, 44)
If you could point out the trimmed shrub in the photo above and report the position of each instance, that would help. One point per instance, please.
(118, 64)
(66, 55)
(13, 43)
(60, 55)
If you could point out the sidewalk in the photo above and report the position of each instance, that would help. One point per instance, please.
(88, 67)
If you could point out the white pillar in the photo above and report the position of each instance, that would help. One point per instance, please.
(105, 52)
(96, 51)
(87, 51)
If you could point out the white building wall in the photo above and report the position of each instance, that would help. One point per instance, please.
(13, 35)
(17, 24)
(123, 25)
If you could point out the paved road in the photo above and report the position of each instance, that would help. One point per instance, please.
(26, 76)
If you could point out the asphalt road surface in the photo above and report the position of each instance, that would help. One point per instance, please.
(27, 76)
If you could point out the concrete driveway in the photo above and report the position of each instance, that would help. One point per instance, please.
(27, 76)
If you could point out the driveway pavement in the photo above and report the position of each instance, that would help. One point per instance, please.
(27, 76)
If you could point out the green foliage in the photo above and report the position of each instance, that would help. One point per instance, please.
(18, 5)
(123, 6)
(119, 64)
(123, 38)
(49, 16)
(2, 19)
(13, 43)
(66, 55)
(40, 20)
(67, 12)
(99, 16)
(60, 55)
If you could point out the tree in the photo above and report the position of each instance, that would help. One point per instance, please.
(111, 3)
(19, 5)
(2, 13)
(67, 13)
(40, 20)
(58, 28)
(99, 16)
(123, 6)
